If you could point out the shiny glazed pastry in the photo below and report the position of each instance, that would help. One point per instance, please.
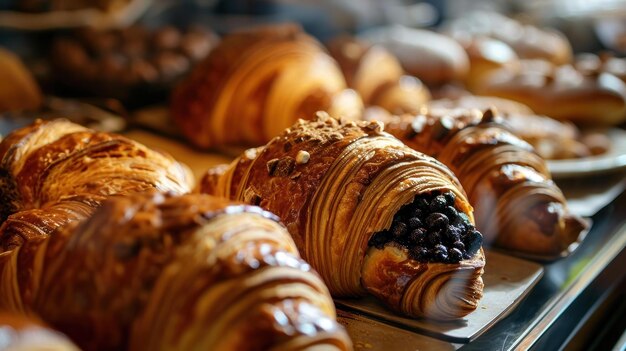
(378, 76)
(528, 41)
(368, 213)
(518, 207)
(486, 55)
(52, 161)
(20, 333)
(562, 92)
(434, 58)
(256, 83)
(550, 138)
(162, 272)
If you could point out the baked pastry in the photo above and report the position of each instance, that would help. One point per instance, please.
(378, 76)
(518, 207)
(367, 212)
(51, 161)
(434, 58)
(550, 138)
(163, 272)
(20, 333)
(528, 41)
(256, 83)
(18, 88)
(486, 55)
(135, 64)
(563, 92)
(593, 64)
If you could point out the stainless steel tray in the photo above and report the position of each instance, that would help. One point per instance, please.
(507, 280)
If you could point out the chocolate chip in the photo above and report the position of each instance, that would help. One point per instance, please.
(418, 213)
(437, 204)
(434, 238)
(473, 241)
(452, 234)
(398, 229)
(414, 222)
(450, 198)
(419, 253)
(459, 245)
(421, 203)
(440, 253)
(417, 236)
(455, 255)
(463, 219)
(437, 220)
(451, 212)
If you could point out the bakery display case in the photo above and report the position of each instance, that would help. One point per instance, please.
(251, 175)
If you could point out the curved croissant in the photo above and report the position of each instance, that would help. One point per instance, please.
(190, 272)
(368, 213)
(20, 333)
(378, 76)
(256, 83)
(56, 173)
(517, 205)
(48, 161)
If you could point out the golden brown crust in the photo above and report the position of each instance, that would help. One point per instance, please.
(550, 138)
(377, 76)
(432, 57)
(254, 84)
(528, 42)
(233, 269)
(334, 184)
(517, 205)
(563, 92)
(48, 161)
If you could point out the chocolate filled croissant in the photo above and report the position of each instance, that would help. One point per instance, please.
(378, 76)
(517, 205)
(368, 213)
(256, 83)
(20, 333)
(163, 272)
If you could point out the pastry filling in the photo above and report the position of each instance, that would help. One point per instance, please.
(432, 229)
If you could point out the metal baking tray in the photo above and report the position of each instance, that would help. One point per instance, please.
(507, 280)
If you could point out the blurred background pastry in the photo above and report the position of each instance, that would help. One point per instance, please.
(256, 83)
(18, 88)
(137, 65)
(562, 92)
(528, 41)
(377, 75)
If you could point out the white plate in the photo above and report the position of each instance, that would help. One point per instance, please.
(613, 160)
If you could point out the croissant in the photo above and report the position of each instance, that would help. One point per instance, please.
(256, 83)
(517, 205)
(562, 92)
(164, 272)
(377, 76)
(21, 333)
(49, 161)
(550, 138)
(368, 213)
